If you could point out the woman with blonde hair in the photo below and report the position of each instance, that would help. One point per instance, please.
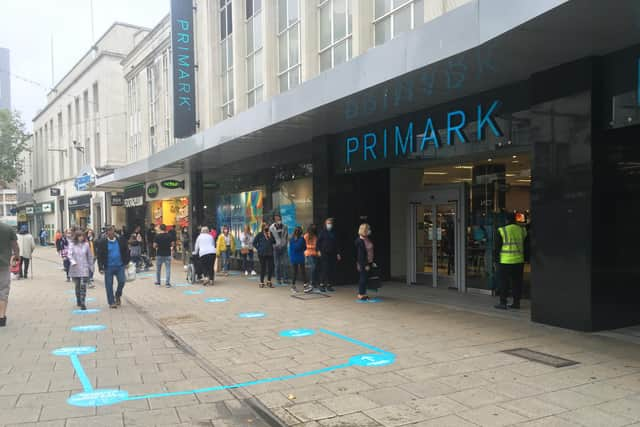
(205, 248)
(364, 259)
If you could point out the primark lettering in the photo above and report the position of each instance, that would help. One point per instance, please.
(399, 141)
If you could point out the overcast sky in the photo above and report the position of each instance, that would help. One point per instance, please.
(26, 28)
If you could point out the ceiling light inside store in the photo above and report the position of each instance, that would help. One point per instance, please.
(510, 175)
(524, 180)
(436, 173)
(463, 167)
(490, 160)
(515, 157)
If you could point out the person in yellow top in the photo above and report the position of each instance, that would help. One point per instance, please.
(225, 246)
(510, 252)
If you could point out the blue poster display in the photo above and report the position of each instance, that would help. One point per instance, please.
(288, 213)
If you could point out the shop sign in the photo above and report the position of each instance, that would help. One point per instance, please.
(172, 184)
(29, 210)
(22, 216)
(134, 196)
(54, 192)
(153, 190)
(76, 203)
(83, 182)
(47, 207)
(184, 96)
(117, 200)
(402, 141)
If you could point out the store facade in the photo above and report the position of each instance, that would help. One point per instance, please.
(434, 149)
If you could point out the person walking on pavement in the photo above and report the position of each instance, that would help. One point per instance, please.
(113, 256)
(280, 234)
(246, 250)
(9, 256)
(311, 255)
(264, 244)
(364, 259)
(226, 247)
(27, 245)
(185, 241)
(510, 253)
(205, 249)
(81, 260)
(163, 246)
(62, 246)
(91, 240)
(151, 238)
(329, 252)
(44, 237)
(297, 247)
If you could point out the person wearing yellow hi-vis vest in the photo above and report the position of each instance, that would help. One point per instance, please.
(510, 247)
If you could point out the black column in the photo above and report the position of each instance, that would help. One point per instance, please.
(322, 177)
(197, 199)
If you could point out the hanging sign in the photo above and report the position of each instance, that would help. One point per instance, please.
(172, 184)
(184, 94)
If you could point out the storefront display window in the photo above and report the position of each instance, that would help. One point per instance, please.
(294, 202)
(240, 209)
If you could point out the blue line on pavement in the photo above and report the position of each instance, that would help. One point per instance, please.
(82, 376)
(352, 341)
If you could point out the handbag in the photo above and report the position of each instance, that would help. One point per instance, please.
(374, 281)
(131, 272)
(244, 251)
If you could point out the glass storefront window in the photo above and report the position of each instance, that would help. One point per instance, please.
(294, 202)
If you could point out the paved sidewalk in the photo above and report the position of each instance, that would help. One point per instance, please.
(449, 368)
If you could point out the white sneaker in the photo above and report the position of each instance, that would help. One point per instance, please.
(253, 273)
(246, 273)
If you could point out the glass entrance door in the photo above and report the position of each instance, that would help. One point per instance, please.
(424, 245)
(445, 255)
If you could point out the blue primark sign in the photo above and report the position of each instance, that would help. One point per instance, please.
(184, 95)
(399, 141)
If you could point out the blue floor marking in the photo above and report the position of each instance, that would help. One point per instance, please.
(213, 300)
(198, 292)
(88, 328)
(252, 315)
(88, 311)
(369, 301)
(93, 398)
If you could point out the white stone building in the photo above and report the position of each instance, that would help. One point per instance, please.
(82, 132)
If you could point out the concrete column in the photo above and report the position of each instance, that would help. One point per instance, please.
(309, 44)
(362, 20)
(270, 48)
(239, 56)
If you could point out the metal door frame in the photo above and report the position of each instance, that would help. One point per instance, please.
(434, 196)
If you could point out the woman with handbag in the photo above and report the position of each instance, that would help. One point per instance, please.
(364, 259)
(81, 266)
(246, 250)
(205, 248)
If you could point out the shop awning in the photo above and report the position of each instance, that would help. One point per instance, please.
(480, 46)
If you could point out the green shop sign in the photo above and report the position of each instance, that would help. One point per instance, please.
(153, 190)
(172, 184)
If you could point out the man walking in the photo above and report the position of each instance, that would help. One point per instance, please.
(9, 253)
(329, 253)
(163, 246)
(280, 233)
(151, 238)
(510, 253)
(27, 245)
(113, 256)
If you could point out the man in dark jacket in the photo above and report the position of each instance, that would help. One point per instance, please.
(329, 252)
(113, 257)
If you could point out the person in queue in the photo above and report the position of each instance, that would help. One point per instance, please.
(163, 245)
(91, 240)
(9, 257)
(62, 246)
(329, 253)
(364, 259)
(311, 256)
(205, 250)
(509, 250)
(113, 256)
(81, 266)
(280, 234)
(225, 247)
(246, 250)
(297, 247)
(185, 241)
(27, 245)
(264, 244)
(151, 238)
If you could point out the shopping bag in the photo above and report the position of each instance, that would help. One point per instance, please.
(374, 281)
(131, 272)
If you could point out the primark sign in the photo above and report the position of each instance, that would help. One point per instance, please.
(400, 141)
(184, 83)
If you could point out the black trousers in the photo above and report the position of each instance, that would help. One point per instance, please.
(266, 268)
(206, 264)
(24, 267)
(303, 272)
(510, 279)
(328, 266)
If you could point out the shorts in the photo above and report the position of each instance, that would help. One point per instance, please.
(5, 284)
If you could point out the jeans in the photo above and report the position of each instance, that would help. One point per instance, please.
(24, 267)
(225, 258)
(160, 260)
(281, 267)
(81, 289)
(328, 265)
(314, 267)
(362, 283)
(109, 274)
(247, 261)
(266, 268)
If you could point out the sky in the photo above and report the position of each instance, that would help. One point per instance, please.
(28, 26)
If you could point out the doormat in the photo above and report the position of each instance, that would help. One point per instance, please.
(312, 295)
(544, 358)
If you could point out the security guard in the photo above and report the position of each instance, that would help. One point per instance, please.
(510, 252)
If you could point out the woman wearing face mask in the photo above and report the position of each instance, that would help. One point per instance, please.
(81, 266)
(264, 245)
(329, 253)
(364, 259)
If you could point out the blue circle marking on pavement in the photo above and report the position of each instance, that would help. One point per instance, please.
(89, 328)
(88, 299)
(369, 301)
(375, 359)
(296, 333)
(198, 292)
(216, 300)
(71, 351)
(88, 311)
(98, 398)
(251, 315)
(182, 285)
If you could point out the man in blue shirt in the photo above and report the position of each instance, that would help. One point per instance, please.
(113, 256)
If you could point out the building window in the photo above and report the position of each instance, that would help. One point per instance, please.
(226, 57)
(335, 33)
(134, 118)
(288, 44)
(166, 83)
(393, 17)
(152, 92)
(96, 151)
(255, 81)
(60, 154)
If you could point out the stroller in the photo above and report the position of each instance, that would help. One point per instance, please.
(192, 269)
(142, 261)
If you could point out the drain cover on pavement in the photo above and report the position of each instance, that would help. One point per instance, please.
(180, 319)
(312, 295)
(544, 358)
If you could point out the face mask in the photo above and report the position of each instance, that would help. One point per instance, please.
(368, 232)
(279, 222)
(329, 227)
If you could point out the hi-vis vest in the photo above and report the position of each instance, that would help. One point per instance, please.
(512, 244)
